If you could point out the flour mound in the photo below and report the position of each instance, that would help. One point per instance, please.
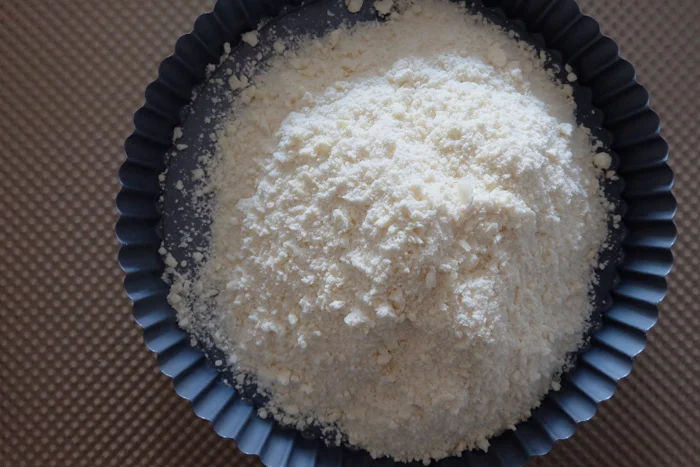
(406, 222)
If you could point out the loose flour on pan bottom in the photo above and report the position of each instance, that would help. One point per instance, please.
(406, 223)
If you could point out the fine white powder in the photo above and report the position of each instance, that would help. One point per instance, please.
(406, 222)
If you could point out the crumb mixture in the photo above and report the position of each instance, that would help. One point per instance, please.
(406, 224)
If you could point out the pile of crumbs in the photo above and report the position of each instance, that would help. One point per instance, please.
(403, 238)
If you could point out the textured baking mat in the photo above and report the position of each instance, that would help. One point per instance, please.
(77, 386)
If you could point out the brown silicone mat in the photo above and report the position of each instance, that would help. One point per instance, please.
(77, 386)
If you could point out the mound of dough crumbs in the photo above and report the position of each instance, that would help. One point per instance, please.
(406, 225)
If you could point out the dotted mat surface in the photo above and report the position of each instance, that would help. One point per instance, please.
(77, 385)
